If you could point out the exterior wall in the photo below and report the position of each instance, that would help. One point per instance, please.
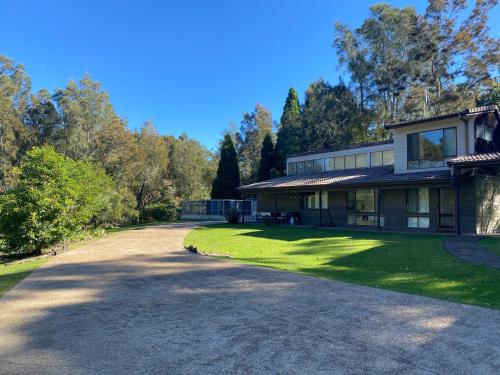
(336, 214)
(400, 144)
(468, 206)
(488, 204)
(394, 209)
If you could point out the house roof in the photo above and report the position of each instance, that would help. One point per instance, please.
(349, 177)
(476, 159)
(465, 112)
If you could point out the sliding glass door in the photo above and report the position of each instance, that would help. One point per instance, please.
(446, 208)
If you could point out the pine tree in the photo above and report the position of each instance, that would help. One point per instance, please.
(267, 159)
(289, 136)
(228, 173)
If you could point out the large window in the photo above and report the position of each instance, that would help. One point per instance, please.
(429, 149)
(309, 166)
(361, 160)
(300, 167)
(319, 165)
(311, 200)
(339, 162)
(417, 208)
(292, 168)
(329, 164)
(379, 158)
(350, 161)
(361, 207)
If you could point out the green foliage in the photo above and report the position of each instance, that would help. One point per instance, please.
(56, 197)
(267, 159)
(290, 132)
(331, 117)
(253, 129)
(228, 174)
(159, 212)
(405, 65)
(491, 96)
(192, 168)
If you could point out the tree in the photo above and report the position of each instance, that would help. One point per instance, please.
(192, 168)
(490, 96)
(406, 65)
(56, 197)
(151, 183)
(228, 174)
(41, 120)
(85, 110)
(253, 129)
(15, 86)
(331, 117)
(267, 159)
(290, 132)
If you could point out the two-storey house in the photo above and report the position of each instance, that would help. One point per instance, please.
(438, 173)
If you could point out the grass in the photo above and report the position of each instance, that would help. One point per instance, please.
(492, 244)
(12, 273)
(410, 263)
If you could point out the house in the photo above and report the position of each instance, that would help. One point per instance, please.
(434, 174)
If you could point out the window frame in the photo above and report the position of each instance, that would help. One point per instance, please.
(419, 160)
(418, 215)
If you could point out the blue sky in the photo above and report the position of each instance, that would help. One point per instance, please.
(189, 66)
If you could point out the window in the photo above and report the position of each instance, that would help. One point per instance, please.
(429, 149)
(417, 208)
(376, 158)
(309, 166)
(485, 133)
(329, 164)
(388, 157)
(361, 160)
(339, 163)
(292, 168)
(361, 200)
(319, 165)
(361, 207)
(300, 167)
(311, 200)
(350, 161)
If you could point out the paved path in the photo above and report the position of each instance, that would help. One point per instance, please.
(467, 249)
(136, 303)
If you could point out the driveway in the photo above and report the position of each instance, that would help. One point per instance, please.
(137, 303)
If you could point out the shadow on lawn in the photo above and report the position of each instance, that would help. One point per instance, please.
(185, 313)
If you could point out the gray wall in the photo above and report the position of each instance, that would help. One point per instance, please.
(488, 204)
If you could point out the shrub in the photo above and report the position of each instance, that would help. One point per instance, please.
(159, 212)
(232, 216)
(54, 199)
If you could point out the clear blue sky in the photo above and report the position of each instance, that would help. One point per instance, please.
(189, 66)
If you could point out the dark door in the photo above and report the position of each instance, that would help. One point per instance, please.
(446, 208)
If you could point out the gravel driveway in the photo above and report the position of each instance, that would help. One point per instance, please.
(136, 302)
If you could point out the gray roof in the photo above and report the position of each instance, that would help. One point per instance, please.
(467, 111)
(476, 159)
(350, 177)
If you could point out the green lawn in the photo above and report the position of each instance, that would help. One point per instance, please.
(409, 263)
(492, 244)
(12, 273)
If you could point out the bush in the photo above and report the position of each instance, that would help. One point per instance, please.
(159, 212)
(232, 216)
(55, 197)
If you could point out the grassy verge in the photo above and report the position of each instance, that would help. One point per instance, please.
(491, 244)
(408, 263)
(12, 273)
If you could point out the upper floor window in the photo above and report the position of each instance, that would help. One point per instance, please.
(379, 158)
(292, 168)
(319, 165)
(483, 132)
(429, 149)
